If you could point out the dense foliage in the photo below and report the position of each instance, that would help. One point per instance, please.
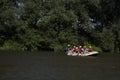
(52, 24)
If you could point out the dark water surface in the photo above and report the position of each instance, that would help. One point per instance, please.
(47, 66)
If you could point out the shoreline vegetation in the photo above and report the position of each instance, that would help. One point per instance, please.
(37, 25)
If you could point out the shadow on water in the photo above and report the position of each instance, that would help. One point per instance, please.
(45, 65)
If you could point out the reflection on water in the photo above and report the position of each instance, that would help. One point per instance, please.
(49, 66)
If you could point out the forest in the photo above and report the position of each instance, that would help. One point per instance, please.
(34, 25)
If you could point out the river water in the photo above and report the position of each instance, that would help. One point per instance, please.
(50, 66)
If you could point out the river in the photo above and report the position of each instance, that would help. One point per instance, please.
(50, 66)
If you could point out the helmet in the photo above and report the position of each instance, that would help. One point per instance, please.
(89, 46)
(80, 46)
(84, 46)
(76, 47)
(68, 45)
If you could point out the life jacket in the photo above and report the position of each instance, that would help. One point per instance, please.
(74, 49)
(67, 49)
(82, 49)
(89, 49)
(79, 50)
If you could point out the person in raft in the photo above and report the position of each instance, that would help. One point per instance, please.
(90, 49)
(85, 49)
(82, 50)
(79, 49)
(74, 49)
(68, 48)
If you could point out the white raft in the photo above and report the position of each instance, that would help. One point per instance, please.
(70, 53)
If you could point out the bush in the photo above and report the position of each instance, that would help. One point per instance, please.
(105, 40)
(93, 47)
(57, 47)
(11, 45)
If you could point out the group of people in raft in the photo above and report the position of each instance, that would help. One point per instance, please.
(78, 49)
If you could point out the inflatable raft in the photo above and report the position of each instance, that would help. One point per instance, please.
(70, 53)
